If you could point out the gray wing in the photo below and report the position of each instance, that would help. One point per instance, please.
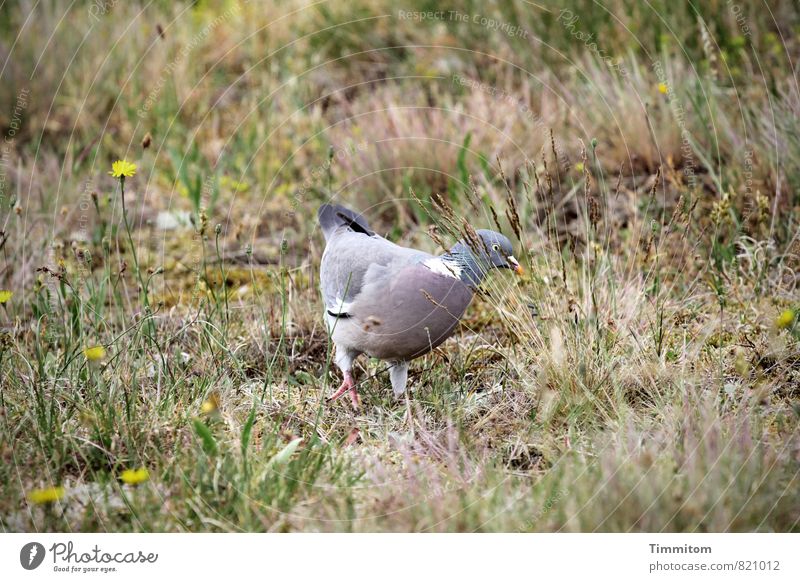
(332, 217)
(403, 312)
(350, 259)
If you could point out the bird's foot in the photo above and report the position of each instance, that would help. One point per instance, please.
(348, 385)
(354, 398)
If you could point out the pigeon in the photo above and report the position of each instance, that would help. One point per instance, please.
(391, 302)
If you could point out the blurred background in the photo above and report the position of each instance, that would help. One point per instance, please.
(243, 102)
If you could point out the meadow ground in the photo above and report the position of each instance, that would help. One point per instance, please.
(163, 360)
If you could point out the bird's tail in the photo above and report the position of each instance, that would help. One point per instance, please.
(332, 216)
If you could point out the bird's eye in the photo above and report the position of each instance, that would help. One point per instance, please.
(495, 247)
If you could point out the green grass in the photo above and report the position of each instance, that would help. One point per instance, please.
(642, 376)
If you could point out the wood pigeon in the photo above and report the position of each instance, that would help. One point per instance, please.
(391, 302)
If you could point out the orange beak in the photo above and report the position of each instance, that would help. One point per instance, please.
(514, 263)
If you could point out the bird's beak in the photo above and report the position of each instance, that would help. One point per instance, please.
(514, 263)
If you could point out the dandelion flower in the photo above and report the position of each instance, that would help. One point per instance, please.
(662, 88)
(5, 296)
(134, 476)
(94, 353)
(211, 405)
(579, 167)
(785, 319)
(227, 182)
(48, 495)
(122, 169)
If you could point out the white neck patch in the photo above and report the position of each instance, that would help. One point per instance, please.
(442, 267)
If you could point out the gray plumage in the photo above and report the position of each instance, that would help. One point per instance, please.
(391, 302)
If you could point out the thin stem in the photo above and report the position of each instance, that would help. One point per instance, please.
(136, 269)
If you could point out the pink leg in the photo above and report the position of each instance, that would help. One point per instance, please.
(354, 397)
(348, 384)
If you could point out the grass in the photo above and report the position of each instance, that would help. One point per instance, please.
(643, 376)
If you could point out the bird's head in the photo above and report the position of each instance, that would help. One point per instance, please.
(498, 252)
(492, 250)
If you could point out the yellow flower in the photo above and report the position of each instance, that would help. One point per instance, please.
(5, 296)
(662, 88)
(227, 182)
(49, 495)
(579, 167)
(785, 319)
(210, 405)
(94, 353)
(122, 169)
(134, 476)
